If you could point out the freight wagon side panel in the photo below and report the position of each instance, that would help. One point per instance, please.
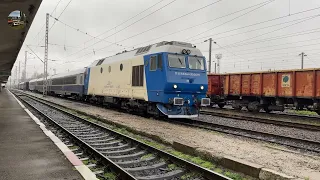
(269, 84)
(214, 84)
(304, 84)
(226, 84)
(285, 84)
(256, 84)
(245, 87)
(234, 84)
(317, 89)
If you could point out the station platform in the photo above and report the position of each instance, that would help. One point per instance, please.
(25, 151)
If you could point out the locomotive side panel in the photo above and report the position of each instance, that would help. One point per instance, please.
(269, 84)
(285, 84)
(304, 84)
(115, 79)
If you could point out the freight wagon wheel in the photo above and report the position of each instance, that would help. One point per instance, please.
(266, 110)
(221, 105)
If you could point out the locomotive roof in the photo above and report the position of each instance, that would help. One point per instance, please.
(165, 46)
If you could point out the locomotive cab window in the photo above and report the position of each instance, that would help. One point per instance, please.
(153, 63)
(177, 61)
(196, 63)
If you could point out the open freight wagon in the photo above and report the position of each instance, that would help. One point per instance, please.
(267, 90)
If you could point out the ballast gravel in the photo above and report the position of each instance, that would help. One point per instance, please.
(278, 158)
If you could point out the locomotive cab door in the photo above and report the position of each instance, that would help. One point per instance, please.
(155, 77)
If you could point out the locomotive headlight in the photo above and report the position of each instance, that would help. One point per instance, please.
(201, 87)
(175, 86)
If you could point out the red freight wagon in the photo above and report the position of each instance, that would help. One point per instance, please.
(267, 90)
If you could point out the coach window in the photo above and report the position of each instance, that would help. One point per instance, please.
(153, 63)
(121, 67)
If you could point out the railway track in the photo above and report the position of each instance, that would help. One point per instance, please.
(264, 120)
(127, 157)
(297, 143)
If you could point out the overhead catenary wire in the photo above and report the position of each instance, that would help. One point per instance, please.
(300, 33)
(279, 49)
(264, 47)
(258, 23)
(265, 27)
(127, 20)
(58, 18)
(194, 26)
(310, 18)
(45, 23)
(124, 28)
(266, 3)
(159, 25)
(83, 32)
(35, 54)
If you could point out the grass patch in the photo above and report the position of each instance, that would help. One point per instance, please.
(86, 162)
(234, 176)
(147, 156)
(172, 167)
(189, 176)
(304, 112)
(73, 147)
(110, 176)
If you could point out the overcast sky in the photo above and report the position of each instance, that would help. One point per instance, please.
(274, 44)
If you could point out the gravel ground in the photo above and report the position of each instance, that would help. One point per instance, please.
(260, 127)
(270, 156)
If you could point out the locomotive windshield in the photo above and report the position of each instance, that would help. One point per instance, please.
(196, 63)
(177, 61)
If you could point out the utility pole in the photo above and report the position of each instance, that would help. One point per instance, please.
(19, 74)
(25, 66)
(45, 61)
(16, 76)
(217, 67)
(210, 45)
(302, 55)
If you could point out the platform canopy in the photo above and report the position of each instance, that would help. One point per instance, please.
(12, 39)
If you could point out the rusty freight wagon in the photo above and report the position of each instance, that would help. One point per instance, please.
(267, 90)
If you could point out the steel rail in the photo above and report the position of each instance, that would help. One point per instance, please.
(190, 166)
(263, 120)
